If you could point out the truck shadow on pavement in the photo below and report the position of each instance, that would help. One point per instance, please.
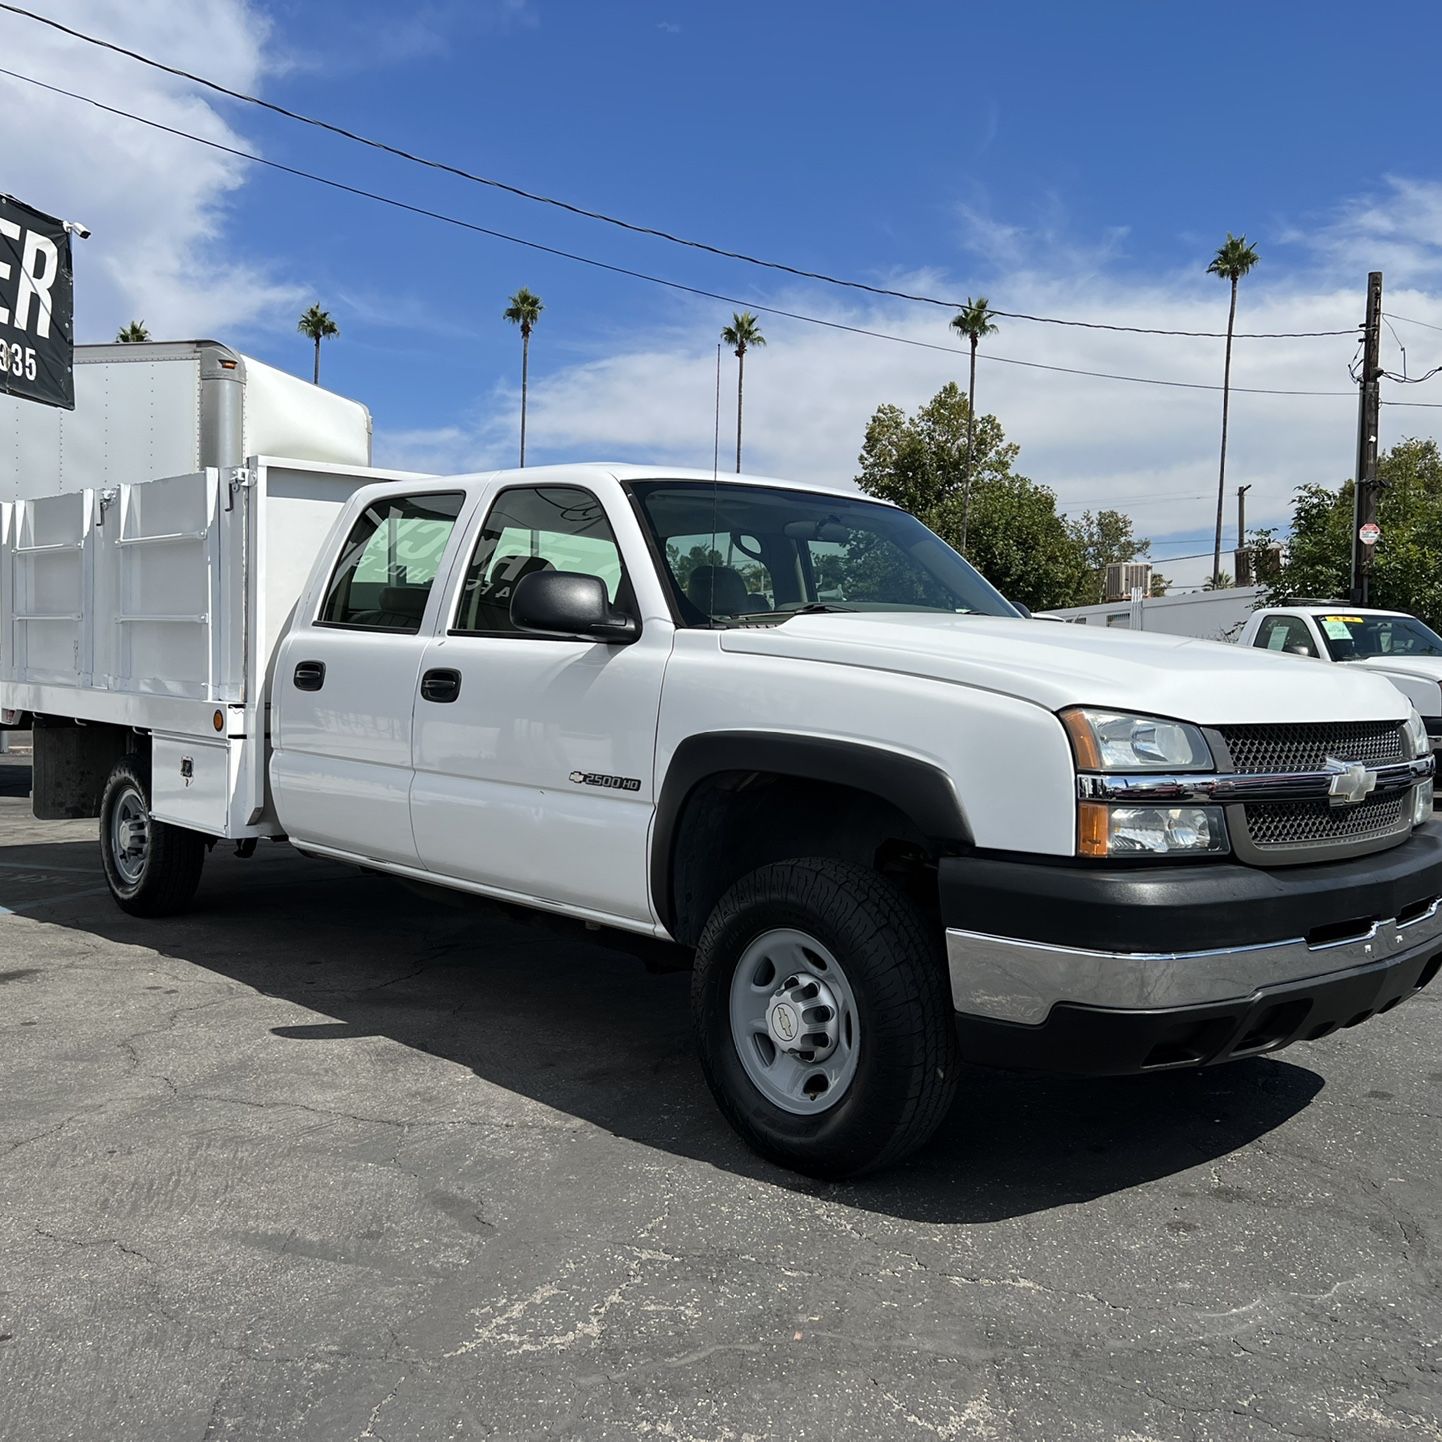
(583, 1028)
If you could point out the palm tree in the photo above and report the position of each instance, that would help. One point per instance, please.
(524, 310)
(742, 334)
(1232, 261)
(130, 334)
(973, 322)
(317, 324)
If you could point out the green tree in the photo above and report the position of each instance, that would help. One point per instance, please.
(1407, 561)
(1231, 262)
(524, 310)
(1103, 540)
(1159, 584)
(1018, 541)
(133, 333)
(318, 325)
(742, 335)
(974, 322)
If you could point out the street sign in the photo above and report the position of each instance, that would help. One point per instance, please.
(37, 301)
(1370, 534)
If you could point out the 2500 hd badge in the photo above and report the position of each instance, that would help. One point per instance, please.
(611, 783)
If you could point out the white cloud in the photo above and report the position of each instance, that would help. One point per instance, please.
(1149, 450)
(156, 205)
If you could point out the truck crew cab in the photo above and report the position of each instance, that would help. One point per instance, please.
(791, 730)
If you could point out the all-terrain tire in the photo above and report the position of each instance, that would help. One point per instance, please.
(905, 1071)
(162, 880)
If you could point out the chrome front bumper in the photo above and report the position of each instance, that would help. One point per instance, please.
(1006, 979)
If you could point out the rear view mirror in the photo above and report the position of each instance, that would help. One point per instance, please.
(568, 603)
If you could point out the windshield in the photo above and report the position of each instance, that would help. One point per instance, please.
(1355, 638)
(743, 554)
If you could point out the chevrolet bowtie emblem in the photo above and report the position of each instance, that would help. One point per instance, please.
(1351, 781)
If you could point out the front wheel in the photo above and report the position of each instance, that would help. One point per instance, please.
(823, 1018)
(152, 868)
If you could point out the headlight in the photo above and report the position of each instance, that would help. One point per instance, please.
(1113, 741)
(1151, 830)
(1417, 734)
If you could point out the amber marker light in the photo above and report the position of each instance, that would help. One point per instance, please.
(1083, 741)
(1091, 829)
(218, 720)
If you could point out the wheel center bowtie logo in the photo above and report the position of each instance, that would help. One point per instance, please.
(784, 1021)
(1351, 781)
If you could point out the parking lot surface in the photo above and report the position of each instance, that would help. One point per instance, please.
(326, 1159)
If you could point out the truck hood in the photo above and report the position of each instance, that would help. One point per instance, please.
(1427, 668)
(1054, 665)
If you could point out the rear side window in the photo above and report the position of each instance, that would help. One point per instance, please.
(389, 562)
(541, 528)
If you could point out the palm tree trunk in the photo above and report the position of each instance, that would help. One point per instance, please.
(970, 441)
(316, 376)
(525, 382)
(1222, 469)
(740, 387)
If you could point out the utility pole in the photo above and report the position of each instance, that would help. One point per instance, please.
(1244, 558)
(1365, 487)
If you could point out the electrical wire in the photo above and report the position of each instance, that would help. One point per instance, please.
(631, 226)
(1408, 320)
(380, 199)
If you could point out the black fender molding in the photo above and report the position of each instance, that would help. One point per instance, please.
(922, 792)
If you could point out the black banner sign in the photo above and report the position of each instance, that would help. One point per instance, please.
(37, 304)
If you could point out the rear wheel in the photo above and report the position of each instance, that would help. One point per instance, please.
(823, 1017)
(152, 868)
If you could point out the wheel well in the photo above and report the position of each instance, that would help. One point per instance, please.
(71, 763)
(735, 821)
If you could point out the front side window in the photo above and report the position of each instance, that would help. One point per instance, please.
(389, 563)
(740, 554)
(1286, 633)
(529, 529)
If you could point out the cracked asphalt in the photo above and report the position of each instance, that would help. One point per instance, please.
(328, 1160)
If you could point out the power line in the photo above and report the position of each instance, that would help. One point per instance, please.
(676, 285)
(632, 226)
(1407, 320)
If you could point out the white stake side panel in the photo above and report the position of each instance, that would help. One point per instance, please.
(156, 604)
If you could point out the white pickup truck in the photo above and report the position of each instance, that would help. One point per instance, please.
(1408, 652)
(790, 730)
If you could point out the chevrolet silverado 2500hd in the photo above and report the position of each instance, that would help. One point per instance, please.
(791, 730)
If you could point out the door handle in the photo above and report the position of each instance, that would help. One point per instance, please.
(440, 685)
(309, 675)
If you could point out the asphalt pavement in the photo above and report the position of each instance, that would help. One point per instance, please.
(328, 1160)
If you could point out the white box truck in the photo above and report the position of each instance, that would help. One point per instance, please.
(789, 730)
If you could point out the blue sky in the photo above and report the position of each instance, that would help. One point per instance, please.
(1068, 160)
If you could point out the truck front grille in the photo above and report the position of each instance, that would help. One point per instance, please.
(1274, 825)
(1257, 750)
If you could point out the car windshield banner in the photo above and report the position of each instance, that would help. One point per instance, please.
(37, 300)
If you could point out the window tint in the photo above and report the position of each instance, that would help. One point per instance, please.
(541, 528)
(703, 567)
(389, 561)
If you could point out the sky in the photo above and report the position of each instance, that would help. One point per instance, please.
(1079, 162)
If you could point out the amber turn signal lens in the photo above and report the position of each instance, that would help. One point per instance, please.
(1083, 741)
(1091, 829)
(218, 720)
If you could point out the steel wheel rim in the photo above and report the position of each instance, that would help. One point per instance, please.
(130, 836)
(792, 971)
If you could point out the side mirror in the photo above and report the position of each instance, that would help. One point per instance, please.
(567, 603)
(1025, 610)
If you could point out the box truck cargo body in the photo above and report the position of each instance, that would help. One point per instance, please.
(171, 409)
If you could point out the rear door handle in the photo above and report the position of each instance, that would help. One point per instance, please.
(309, 675)
(440, 685)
